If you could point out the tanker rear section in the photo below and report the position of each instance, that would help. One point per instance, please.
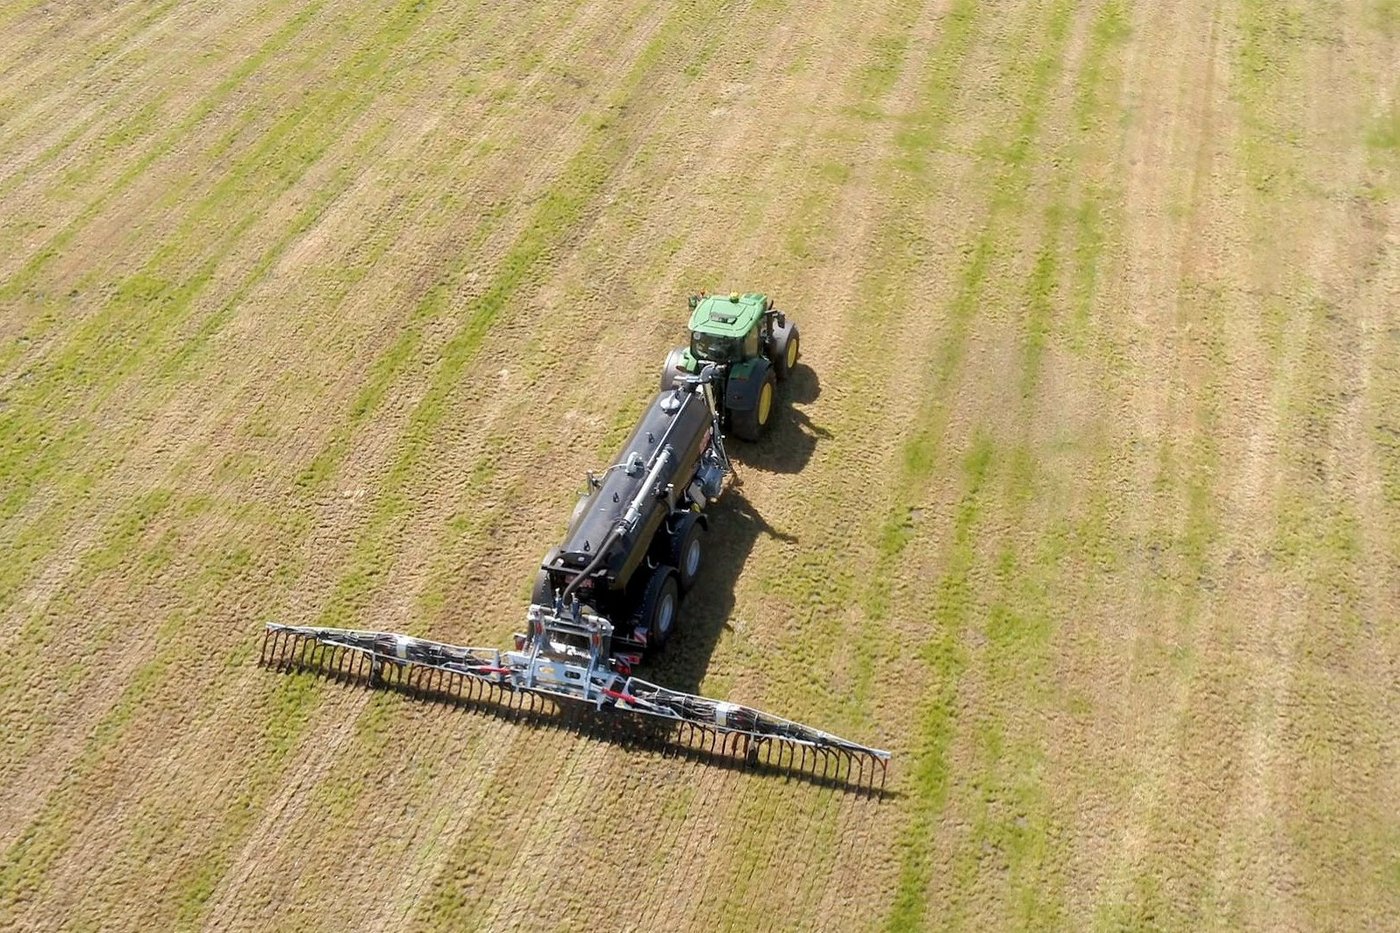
(635, 543)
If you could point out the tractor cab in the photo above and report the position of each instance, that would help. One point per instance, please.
(752, 345)
(727, 329)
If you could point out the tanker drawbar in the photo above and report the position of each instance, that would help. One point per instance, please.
(608, 596)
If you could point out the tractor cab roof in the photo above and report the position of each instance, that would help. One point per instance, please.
(727, 315)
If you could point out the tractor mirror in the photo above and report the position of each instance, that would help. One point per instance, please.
(693, 301)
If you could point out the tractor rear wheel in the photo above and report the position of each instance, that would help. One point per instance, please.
(659, 608)
(750, 425)
(787, 347)
(687, 549)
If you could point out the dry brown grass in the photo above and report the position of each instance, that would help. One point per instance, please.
(1088, 505)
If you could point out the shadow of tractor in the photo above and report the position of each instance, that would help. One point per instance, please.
(793, 437)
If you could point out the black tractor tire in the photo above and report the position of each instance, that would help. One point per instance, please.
(752, 424)
(673, 368)
(687, 549)
(542, 593)
(659, 608)
(787, 348)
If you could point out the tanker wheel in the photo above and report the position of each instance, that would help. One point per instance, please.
(687, 549)
(660, 604)
(542, 593)
(750, 425)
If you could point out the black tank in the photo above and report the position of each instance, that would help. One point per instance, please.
(675, 420)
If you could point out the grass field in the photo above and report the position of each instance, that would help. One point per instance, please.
(1087, 505)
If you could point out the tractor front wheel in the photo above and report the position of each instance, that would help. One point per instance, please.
(752, 424)
(787, 347)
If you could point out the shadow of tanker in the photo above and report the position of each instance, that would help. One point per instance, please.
(735, 527)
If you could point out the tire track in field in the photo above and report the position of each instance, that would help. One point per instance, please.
(917, 446)
(1183, 533)
(1002, 819)
(1323, 690)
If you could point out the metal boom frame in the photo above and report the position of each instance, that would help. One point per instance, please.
(550, 669)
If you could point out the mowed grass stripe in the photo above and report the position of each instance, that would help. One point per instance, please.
(133, 328)
(23, 281)
(22, 859)
(128, 119)
(124, 22)
(105, 53)
(1014, 820)
(952, 598)
(34, 643)
(34, 639)
(188, 657)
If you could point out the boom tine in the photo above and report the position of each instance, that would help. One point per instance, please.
(652, 718)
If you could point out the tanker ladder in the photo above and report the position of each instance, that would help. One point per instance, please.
(560, 675)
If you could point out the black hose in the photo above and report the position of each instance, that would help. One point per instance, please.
(618, 528)
(592, 565)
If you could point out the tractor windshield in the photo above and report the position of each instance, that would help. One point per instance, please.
(713, 348)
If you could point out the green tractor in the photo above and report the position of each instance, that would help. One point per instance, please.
(752, 347)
